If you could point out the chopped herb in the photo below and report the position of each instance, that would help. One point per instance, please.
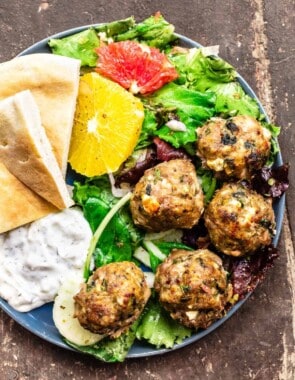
(231, 126)
(185, 288)
(228, 139)
(249, 145)
(148, 189)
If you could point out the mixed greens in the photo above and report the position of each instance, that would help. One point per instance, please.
(206, 86)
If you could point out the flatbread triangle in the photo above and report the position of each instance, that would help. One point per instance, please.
(26, 151)
(53, 82)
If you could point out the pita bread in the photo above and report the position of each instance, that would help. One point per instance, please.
(19, 205)
(26, 152)
(53, 81)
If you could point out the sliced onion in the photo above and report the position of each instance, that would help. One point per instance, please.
(117, 192)
(150, 279)
(143, 256)
(149, 246)
(176, 125)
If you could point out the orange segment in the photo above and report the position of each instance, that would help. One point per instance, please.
(107, 125)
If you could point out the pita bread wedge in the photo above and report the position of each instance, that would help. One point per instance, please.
(53, 81)
(19, 205)
(26, 151)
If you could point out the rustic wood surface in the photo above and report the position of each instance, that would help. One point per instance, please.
(258, 38)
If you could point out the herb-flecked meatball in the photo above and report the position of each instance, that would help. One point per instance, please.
(168, 196)
(239, 220)
(112, 299)
(193, 287)
(234, 147)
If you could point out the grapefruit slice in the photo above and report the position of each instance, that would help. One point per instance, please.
(139, 68)
(107, 125)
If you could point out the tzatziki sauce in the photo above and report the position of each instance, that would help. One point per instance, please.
(35, 258)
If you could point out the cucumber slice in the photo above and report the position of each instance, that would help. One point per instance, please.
(63, 315)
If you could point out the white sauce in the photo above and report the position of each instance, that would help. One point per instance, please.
(35, 258)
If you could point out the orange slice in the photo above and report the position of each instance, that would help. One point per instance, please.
(107, 125)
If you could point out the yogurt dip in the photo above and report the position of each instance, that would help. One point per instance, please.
(35, 258)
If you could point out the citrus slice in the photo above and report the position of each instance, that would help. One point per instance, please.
(139, 68)
(107, 125)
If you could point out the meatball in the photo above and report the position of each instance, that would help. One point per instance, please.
(239, 220)
(193, 287)
(112, 299)
(234, 147)
(168, 196)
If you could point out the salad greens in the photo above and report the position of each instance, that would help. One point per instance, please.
(110, 350)
(154, 31)
(158, 328)
(174, 102)
(158, 250)
(199, 71)
(115, 235)
(115, 28)
(207, 86)
(208, 182)
(231, 100)
(149, 128)
(80, 46)
(275, 131)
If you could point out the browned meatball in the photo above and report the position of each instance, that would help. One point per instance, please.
(233, 147)
(193, 287)
(112, 299)
(168, 196)
(239, 221)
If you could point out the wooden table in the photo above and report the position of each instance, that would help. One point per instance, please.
(258, 38)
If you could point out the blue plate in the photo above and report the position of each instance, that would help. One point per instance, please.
(39, 321)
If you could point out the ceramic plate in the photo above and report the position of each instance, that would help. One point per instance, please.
(39, 321)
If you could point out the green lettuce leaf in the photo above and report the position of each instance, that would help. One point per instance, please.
(95, 209)
(190, 107)
(275, 131)
(154, 31)
(119, 239)
(110, 350)
(201, 72)
(149, 127)
(111, 29)
(180, 139)
(165, 247)
(208, 182)
(158, 328)
(232, 100)
(195, 104)
(120, 236)
(80, 46)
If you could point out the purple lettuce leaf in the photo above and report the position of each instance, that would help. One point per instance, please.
(272, 182)
(159, 152)
(248, 272)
